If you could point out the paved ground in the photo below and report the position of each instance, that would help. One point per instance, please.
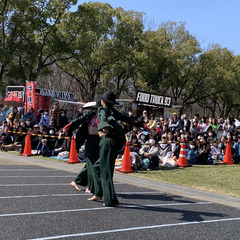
(36, 202)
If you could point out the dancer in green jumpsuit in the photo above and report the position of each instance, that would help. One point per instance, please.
(87, 134)
(112, 140)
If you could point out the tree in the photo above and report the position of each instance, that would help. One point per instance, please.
(30, 39)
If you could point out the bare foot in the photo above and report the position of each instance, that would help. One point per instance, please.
(73, 184)
(95, 198)
(87, 190)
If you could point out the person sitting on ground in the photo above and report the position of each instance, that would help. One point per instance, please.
(215, 152)
(30, 115)
(165, 153)
(13, 115)
(45, 119)
(149, 153)
(236, 150)
(192, 153)
(6, 139)
(28, 125)
(3, 127)
(2, 114)
(134, 151)
(62, 144)
(204, 150)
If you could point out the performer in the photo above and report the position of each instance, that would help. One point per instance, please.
(87, 134)
(112, 138)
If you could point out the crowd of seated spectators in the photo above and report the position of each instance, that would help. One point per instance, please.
(157, 142)
(47, 136)
(154, 142)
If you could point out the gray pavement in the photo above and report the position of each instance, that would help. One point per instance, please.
(132, 180)
(37, 202)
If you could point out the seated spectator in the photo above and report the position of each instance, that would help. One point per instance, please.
(222, 146)
(3, 127)
(6, 139)
(62, 144)
(236, 150)
(143, 137)
(149, 153)
(2, 114)
(215, 152)
(192, 153)
(13, 115)
(30, 115)
(35, 138)
(164, 148)
(16, 124)
(44, 148)
(134, 151)
(28, 125)
(204, 150)
(18, 141)
(45, 119)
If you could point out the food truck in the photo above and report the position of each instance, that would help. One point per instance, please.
(41, 99)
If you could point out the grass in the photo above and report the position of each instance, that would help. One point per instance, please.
(222, 179)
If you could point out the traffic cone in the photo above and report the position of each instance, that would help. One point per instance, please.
(126, 162)
(27, 148)
(73, 158)
(182, 160)
(228, 154)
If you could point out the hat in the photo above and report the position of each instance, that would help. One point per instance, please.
(36, 126)
(164, 136)
(109, 97)
(89, 105)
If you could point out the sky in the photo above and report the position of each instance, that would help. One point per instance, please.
(209, 21)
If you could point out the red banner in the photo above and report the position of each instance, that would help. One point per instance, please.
(41, 103)
(30, 95)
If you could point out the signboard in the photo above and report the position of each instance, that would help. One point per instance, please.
(57, 94)
(153, 99)
(30, 95)
(16, 91)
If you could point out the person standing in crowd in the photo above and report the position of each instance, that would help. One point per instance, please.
(2, 114)
(173, 123)
(63, 120)
(112, 137)
(88, 134)
(80, 112)
(55, 115)
(185, 123)
(13, 115)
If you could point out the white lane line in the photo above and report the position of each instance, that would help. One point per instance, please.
(39, 184)
(37, 176)
(71, 194)
(33, 184)
(28, 170)
(136, 228)
(101, 208)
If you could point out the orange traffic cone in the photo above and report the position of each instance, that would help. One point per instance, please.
(73, 158)
(228, 154)
(27, 148)
(126, 162)
(182, 160)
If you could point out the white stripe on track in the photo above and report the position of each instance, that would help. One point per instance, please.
(33, 184)
(28, 170)
(37, 176)
(71, 194)
(101, 208)
(136, 228)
